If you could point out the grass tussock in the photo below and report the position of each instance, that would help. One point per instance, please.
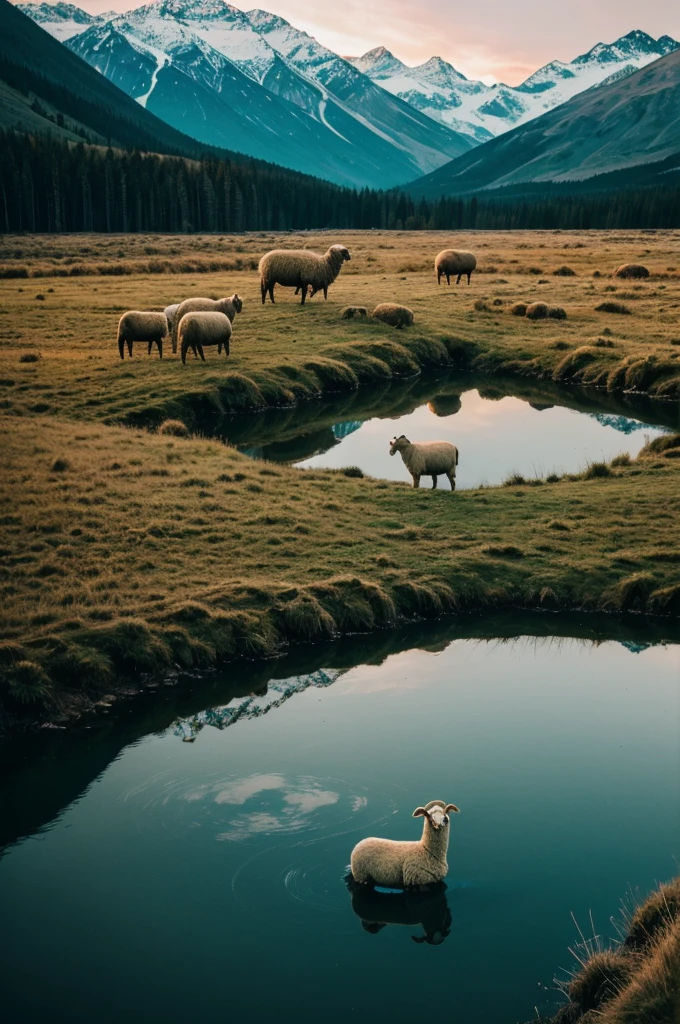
(613, 307)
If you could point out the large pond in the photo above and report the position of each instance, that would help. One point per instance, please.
(499, 428)
(186, 859)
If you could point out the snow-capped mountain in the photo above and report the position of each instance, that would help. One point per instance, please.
(437, 89)
(226, 78)
(61, 20)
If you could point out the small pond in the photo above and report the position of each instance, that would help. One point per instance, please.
(185, 859)
(500, 428)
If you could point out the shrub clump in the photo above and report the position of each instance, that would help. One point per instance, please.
(353, 471)
(613, 307)
(174, 428)
(564, 272)
(518, 309)
(597, 470)
(29, 684)
(557, 313)
(537, 311)
(30, 357)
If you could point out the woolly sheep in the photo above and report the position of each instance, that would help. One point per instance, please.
(429, 458)
(351, 311)
(394, 315)
(634, 270)
(428, 908)
(454, 261)
(170, 312)
(537, 311)
(136, 325)
(404, 865)
(197, 330)
(230, 307)
(301, 269)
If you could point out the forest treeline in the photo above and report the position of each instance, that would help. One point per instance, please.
(50, 185)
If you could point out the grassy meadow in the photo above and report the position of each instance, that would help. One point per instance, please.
(126, 550)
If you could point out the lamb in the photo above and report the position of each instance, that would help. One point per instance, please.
(429, 458)
(349, 312)
(393, 314)
(454, 261)
(136, 325)
(404, 865)
(197, 330)
(230, 307)
(301, 269)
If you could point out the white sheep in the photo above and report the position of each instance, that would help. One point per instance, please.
(170, 312)
(229, 306)
(301, 269)
(197, 330)
(428, 458)
(403, 865)
(454, 261)
(139, 325)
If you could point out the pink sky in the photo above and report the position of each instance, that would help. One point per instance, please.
(484, 39)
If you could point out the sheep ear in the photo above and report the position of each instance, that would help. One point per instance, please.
(451, 807)
(420, 812)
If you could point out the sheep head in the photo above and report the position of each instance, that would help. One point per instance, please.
(341, 251)
(437, 813)
(238, 303)
(397, 444)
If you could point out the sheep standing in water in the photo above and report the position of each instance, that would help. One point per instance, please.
(429, 458)
(454, 261)
(301, 269)
(404, 865)
(138, 325)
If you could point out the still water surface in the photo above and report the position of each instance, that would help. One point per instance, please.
(204, 880)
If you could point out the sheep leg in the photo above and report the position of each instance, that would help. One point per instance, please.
(303, 290)
(160, 348)
(148, 352)
(434, 482)
(121, 347)
(129, 345)
(459, 277)
(325, 291)
(184, 354)
(416, 480)
(448, 279)
(200, 352)
(271, 292)
(174, 343)
(452, 480)
(263, 289)
(469, 276)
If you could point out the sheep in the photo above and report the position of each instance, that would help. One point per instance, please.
(230, 307)
(170, 312)
(394, 315)
(405, 865)
(136, 325)
(301, 269)
(454, 261)
(196, 330)
(428, 908)
(351, 311)
(429, 458)
(518, 309)
(537, 311)
(634, 270)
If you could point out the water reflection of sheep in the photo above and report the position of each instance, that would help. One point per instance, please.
(428, 908)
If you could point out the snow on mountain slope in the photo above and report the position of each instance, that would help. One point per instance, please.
(437, 89)
(61, 20)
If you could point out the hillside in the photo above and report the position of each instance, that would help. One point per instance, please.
(619, 126)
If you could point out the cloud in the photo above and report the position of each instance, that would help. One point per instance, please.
(239, 792)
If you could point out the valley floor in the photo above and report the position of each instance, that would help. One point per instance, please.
(128, 551)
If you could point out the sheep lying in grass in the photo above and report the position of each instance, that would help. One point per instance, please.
(229, 306)
(631, 270)
(393, 314)
(301, 269)
(136, 325)
(454, 261)
(198, 330)
(404, 865)
(537, 311)
(429, 458)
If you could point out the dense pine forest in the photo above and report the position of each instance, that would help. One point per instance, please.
(51, 185)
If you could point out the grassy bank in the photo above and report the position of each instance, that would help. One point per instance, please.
(128, 552)
(57, 333)
(637, 982)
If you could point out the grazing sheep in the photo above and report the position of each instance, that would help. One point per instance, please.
(519, 309)
(428, 908)
(537, 311)
(429, 458)
(394, 315)
(404, 865)
(301, 269)
(635, 270)
(454, 261)
(351, 311)
(170, 312)
(230, 307)
(141, 326)
(197, 330)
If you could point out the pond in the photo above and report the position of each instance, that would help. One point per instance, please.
(500, 428)
(186, 860)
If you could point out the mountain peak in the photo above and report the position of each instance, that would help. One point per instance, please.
(439, 72)
(635, 44)
(378, 62)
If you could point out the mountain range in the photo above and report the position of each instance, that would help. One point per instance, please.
(252, 82)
